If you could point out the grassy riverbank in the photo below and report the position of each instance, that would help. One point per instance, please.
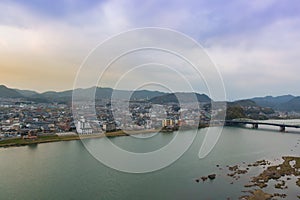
(55, 138)
(41, 139)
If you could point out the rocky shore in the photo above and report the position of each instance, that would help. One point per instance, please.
(281, 173)
(284, 174)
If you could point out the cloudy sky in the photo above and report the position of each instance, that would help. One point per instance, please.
(255, 44)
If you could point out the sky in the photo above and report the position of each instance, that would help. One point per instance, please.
(254, 44)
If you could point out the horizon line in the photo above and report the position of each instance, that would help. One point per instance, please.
(89, 87)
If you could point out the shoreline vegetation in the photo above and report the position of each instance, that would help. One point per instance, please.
(16, 142)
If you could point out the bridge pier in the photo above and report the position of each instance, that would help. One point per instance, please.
(255, 126)
(282, 129)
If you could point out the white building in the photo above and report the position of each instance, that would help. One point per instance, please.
(83, 127)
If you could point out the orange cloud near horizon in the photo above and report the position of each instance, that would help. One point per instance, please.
(39, 74)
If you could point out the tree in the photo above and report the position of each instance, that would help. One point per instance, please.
(234, 112)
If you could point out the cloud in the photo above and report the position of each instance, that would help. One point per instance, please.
(267, 62)
(254, 43)
(57, 46)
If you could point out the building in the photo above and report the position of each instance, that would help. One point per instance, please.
(109, 126)
(168, 123)
(83, 127)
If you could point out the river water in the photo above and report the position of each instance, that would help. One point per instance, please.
(66, 170)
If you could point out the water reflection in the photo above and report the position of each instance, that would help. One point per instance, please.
(32, 146)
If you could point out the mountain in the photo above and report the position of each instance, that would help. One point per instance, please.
(273, 102)
(245, 102)
(26, 93)
(280, 103)
(66, 96)
(146, 94)
(248, 109)
(291, 105)
(181, 96)
(9, 93)
(107, 93)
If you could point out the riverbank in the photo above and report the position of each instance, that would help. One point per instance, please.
(15, 142)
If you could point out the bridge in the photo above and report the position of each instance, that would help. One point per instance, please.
(255, 124)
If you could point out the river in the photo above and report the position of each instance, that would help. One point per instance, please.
(66, 170)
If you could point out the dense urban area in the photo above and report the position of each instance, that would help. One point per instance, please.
(25, 119)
